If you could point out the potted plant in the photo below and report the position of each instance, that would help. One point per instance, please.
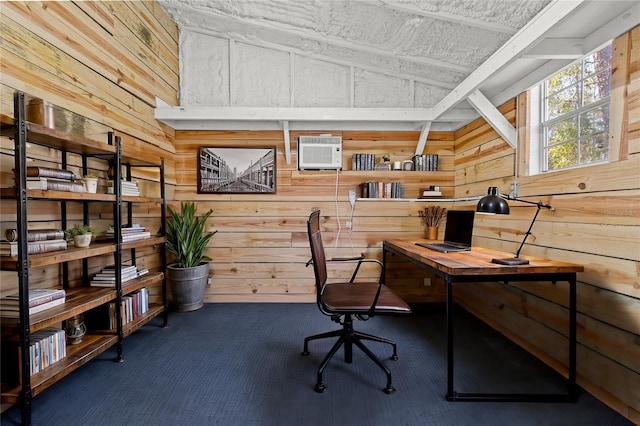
(81, 235)
(91, 183)
(187, 240)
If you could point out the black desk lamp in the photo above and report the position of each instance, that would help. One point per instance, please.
(495, 203)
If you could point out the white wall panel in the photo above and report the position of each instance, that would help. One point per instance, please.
(376, 90)
(261, 77)
(205, 81)
(426, 96)
(321, 84)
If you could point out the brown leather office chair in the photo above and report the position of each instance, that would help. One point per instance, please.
(344, 301)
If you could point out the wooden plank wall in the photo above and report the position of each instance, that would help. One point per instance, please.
(108, 61)
(105, 61)
(596, 223)
(261, 247)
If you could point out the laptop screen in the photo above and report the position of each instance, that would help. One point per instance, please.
(459, 227)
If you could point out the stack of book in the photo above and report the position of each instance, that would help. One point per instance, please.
(104, 317)
(431, 193)
(46, 346)
(426, 162)
(107, 277)
(363, 161)
(129, 188)
(134, 305)
(39, 300)
(131, 233)
(38, 241)
(48, 179)
(381, 190)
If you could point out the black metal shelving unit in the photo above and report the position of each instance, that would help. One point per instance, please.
(83, 298)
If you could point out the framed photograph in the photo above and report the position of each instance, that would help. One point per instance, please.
(236, 170)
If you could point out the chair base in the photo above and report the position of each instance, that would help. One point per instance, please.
(347, 336)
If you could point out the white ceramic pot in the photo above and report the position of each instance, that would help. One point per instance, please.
(91, 184)
(82, 240)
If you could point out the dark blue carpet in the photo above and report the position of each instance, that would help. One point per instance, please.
(240, 364)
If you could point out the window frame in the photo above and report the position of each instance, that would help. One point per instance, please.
(539, 96)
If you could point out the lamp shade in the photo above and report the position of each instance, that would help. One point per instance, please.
(493, 203)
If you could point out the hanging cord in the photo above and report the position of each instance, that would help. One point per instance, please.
(353, 207)
(337, 212)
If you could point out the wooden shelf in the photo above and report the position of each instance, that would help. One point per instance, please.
(143, 281)
(38, 194)
(62, 140)
(131, 327)
(35, 194)
(78, 300)
(430, 200)
(77, 355)
(73, 253)
(140, 199)
(143, 243)
(61, 256)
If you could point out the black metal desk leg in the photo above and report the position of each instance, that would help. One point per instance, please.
(450, 392)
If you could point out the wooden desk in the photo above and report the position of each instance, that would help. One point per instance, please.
(475, 266)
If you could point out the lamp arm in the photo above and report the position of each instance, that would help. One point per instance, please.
(540, 204)
(526, 234)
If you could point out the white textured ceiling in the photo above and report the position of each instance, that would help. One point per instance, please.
(445, 50)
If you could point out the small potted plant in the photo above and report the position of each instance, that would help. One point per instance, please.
(187, 240)
(91, 183)
(81, 235)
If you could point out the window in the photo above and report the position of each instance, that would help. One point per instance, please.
(575, 113)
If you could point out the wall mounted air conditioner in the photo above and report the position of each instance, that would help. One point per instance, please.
(320, 152)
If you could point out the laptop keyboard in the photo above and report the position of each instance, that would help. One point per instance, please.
(443, 247)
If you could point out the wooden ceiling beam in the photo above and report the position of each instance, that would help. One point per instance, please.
(527, 37)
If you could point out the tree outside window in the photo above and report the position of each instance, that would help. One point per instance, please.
(575, 128)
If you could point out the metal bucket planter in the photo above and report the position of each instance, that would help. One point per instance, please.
(188, 286)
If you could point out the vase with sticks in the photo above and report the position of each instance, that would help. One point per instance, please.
(431, 217)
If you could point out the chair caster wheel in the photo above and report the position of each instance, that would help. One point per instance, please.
(320, 387)
(394, 357)
(304, 353)
(389, 390)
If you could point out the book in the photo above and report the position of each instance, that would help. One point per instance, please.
(132, 233)
(10, 248)
(65, 185)
(104, 281)
(39, 296)
(37, 183)
(46, 347)
(127, 230)
(35, 234)
(53, 184)
(11, 308)
(47, 172)
(133, 229)
(127, 238)
(126, 188)
(107, 277)
(112, 268)
(429, 193)
(381, 190)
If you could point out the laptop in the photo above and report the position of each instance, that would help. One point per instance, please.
(457, 232)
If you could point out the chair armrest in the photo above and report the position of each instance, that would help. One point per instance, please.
(347, 259)
(360, 259)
